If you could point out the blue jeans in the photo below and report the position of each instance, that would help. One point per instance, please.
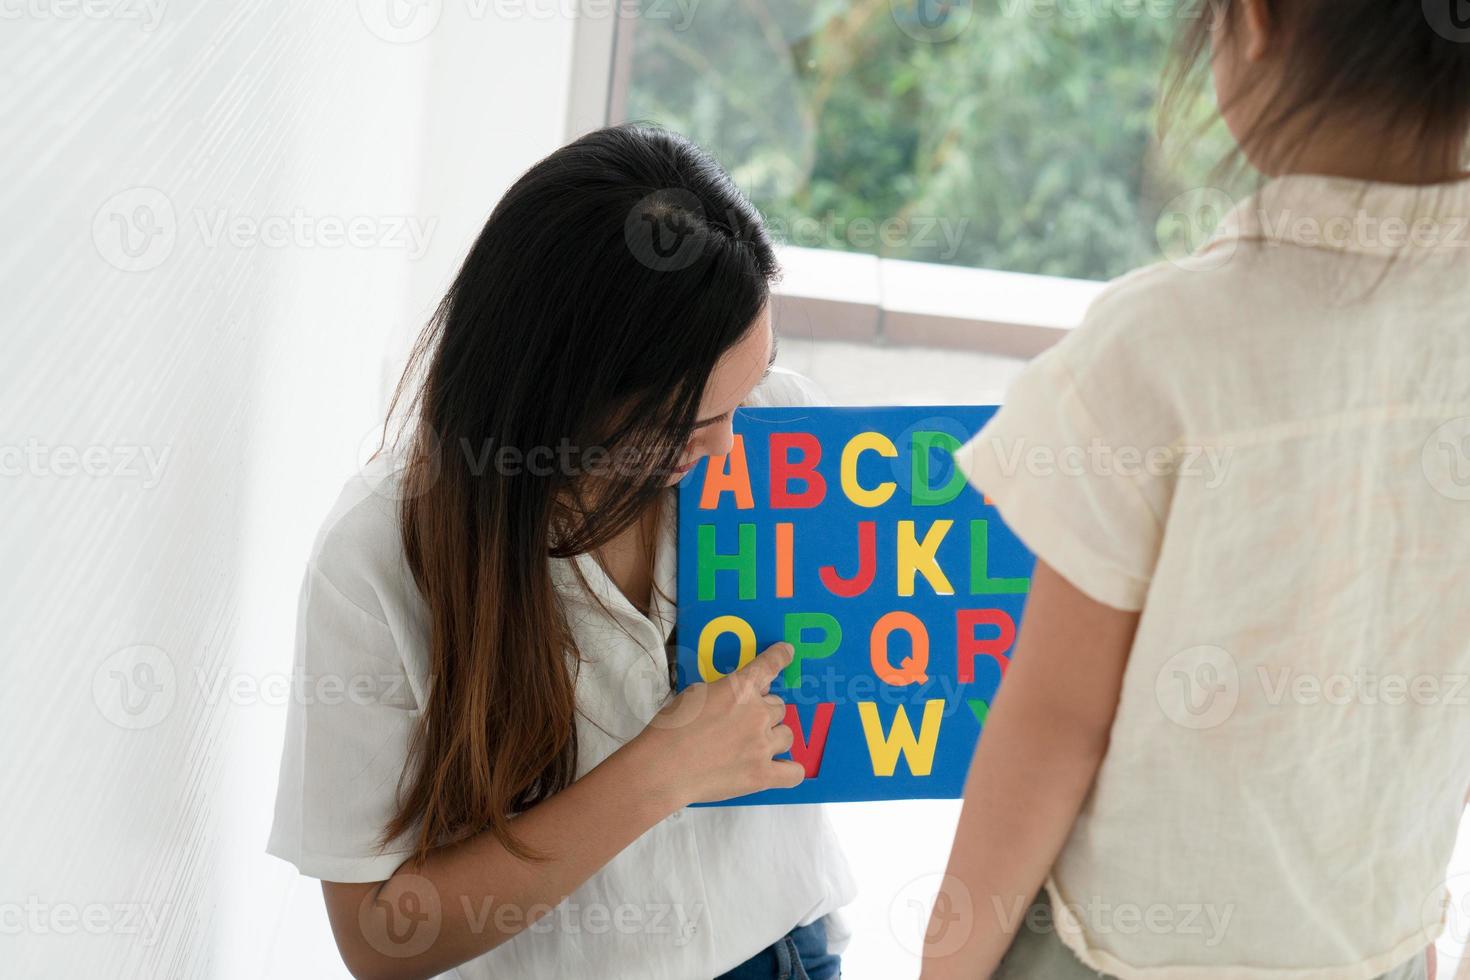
(801, 954)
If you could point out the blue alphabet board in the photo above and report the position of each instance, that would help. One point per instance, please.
(851, 534)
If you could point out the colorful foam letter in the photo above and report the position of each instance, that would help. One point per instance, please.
(861, 443)
(884, 749)
(923, 494)
(867, 565)
(712, 631)
(803, 649)
(980, 581)
(968, 646)
(804, 470)
(742, 563)
(914, 556)
(911, 670)
(808, 751)
(729, 472)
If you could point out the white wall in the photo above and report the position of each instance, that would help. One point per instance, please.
(251, 368)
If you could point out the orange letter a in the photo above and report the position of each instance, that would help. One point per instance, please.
(729, 472)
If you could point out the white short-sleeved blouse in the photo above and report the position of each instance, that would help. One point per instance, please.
(697, 894)
(1266, 449)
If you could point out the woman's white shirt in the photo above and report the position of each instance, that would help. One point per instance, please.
(695, 895)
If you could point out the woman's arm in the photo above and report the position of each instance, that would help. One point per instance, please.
(1043, 742)
(712, 742)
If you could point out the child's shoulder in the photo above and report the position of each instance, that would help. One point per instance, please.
(1172, 295)
(1164, 343)
(1170, 310)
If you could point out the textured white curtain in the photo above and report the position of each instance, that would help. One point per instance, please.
(219, 221)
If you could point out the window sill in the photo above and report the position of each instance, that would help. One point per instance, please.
(830, 295)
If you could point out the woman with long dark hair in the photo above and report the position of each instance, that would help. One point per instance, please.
(501, 784)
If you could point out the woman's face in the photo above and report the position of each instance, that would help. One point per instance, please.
(731, 382)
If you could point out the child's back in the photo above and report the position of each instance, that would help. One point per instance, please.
(1230, 743)
(1276, 444)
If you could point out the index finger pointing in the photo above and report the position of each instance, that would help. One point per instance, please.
(763, 669)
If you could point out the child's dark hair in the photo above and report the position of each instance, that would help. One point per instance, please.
(1403, 64)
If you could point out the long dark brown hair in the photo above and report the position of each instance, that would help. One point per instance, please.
(548, 398)
(1401, 64)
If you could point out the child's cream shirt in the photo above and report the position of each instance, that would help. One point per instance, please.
(1266, 449)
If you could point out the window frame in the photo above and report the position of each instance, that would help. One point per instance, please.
(826, 294)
